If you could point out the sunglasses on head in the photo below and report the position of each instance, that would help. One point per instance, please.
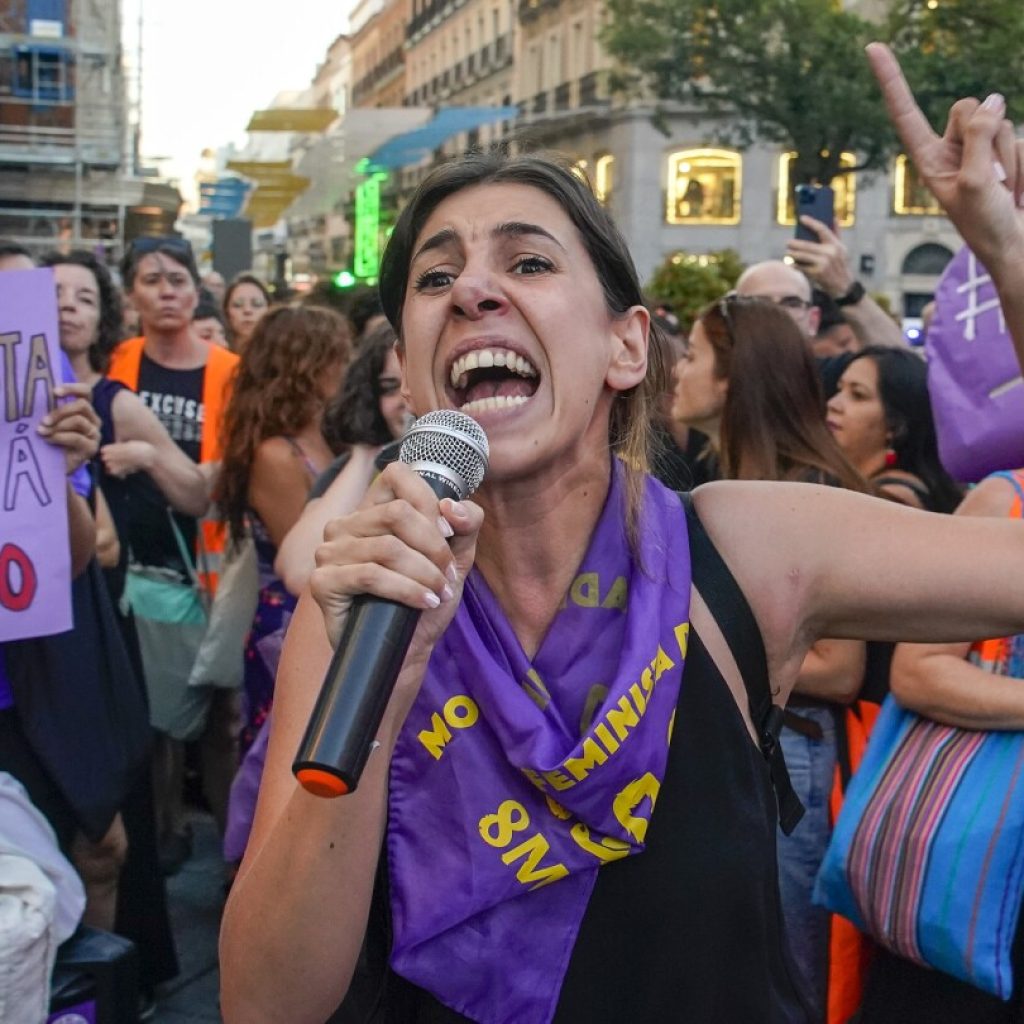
(161, 243)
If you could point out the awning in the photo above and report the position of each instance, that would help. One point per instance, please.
(332, 162)
(292, 119)
(417, 145)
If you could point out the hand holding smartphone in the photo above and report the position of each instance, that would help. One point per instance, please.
(817, 201)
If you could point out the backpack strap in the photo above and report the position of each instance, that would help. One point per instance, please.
(730, 610)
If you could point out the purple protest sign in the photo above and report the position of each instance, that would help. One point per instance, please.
(974, 378)
(35, 558)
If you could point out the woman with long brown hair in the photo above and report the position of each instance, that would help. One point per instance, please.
(273, 451)
(749, 381)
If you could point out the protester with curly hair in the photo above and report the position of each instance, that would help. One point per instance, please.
(273, 451)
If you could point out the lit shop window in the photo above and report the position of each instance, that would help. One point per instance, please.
(912, 196)
(581, 169)
(703, 187)
(604, 177)
(844, 186)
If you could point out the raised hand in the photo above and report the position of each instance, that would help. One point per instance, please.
(975, 168)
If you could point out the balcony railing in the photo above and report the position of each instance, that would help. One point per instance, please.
(540, 103)
(563, 96)
(36, 145)
(593, 89)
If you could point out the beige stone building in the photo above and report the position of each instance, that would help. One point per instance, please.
(377, 36)
(462, 54)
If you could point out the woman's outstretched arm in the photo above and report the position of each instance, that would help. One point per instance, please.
(821, 562)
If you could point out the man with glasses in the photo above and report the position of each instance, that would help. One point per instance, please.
(824, 265)
(186, 382)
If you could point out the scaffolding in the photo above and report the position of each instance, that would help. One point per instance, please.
(67, 154)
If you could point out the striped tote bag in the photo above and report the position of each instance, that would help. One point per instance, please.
(927, 855)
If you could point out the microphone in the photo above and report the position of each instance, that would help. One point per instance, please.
(448, 450)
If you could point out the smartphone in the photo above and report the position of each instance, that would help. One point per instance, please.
(817, 201)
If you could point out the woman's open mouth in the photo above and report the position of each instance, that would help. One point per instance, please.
(491, 378)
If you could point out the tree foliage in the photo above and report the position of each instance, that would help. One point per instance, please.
(793, 72)
(689, 281)
(959, 48)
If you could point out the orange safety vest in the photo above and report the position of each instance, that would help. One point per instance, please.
(218, 377)
(849, 949)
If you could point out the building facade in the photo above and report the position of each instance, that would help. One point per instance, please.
(66, 168)
(676, 189)
(378, 52)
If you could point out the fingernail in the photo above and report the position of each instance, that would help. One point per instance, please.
(1000, 170)
(447, 594)
(431, 600)
(445, 527)
(46, 422)
(994, 101)
(452, 573)
(459, 511)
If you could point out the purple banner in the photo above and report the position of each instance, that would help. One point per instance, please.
(35, 558)
(974, 377)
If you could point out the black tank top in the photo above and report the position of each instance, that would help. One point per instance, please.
(690, 930)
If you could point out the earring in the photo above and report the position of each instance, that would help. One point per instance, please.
(891, 458)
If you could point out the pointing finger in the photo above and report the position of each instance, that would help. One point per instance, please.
(911, 125)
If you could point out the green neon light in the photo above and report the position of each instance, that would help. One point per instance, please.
(366, 257)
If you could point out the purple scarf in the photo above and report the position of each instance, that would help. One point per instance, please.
(512, 782)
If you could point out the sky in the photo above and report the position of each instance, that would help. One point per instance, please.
(208, 64)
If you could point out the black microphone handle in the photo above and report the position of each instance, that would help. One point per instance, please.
(357, 686)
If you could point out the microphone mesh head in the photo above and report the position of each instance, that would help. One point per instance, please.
(452, 439)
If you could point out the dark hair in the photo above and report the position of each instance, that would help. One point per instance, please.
(171, 246)
(629, 432)
(207, 308)
(324, 293)
(108, 332)
(773, 422)
(363, 306)
(903, 390)
(10, 248)
(275, 393)
(354, 416)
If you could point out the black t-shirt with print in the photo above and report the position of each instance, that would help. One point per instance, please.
(176, 398)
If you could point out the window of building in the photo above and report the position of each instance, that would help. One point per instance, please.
(604, 177)
(42, 74)
(555, 58)
(704, 186)
(928, 259)
(911, 194)
(845, 188)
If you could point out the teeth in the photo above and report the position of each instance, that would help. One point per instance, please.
(497, 402)
(488, 357)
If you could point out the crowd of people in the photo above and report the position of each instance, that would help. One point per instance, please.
(703, 556)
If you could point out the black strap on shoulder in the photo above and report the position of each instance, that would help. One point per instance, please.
(730, 610)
